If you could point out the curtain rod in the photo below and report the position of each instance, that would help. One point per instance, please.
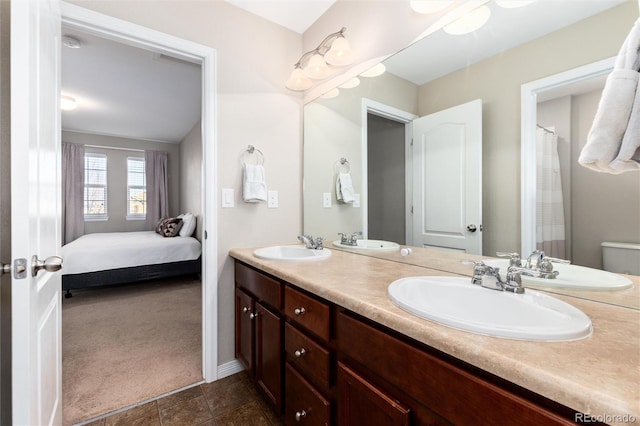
(114, 147)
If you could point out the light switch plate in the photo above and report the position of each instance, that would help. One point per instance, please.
(272, 199)
(326, 200)
(356, 200)
(227, 197)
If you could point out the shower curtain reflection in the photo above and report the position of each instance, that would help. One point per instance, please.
(550, 227)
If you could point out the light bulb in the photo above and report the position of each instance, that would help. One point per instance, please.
(374, 71)
(354, 82)
(316, 68)
(469, 22)
(340, 53)
(298, 81)
(67, 103)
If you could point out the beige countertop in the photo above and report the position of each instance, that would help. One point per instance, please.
(599, 375)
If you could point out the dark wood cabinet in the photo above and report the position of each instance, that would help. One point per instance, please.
(245, 330)
(320, 364)
(259, 331)
(362, 403)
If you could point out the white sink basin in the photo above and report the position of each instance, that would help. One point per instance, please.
(455, 302)
(374, 245)
(572, 277)
(294, 252)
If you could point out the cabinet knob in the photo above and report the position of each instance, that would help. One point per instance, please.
(253, 315)
(300, 352)
(245, 309)
(300, 415)
(299, 311)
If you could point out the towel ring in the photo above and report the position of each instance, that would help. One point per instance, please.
(342, 166)
(252, 150)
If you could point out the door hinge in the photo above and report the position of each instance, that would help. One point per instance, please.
(205, 235)
(412, 209)
(411, 141)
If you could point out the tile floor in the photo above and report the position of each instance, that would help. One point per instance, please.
(232, 401)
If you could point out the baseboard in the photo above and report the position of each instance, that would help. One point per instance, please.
(229, 368)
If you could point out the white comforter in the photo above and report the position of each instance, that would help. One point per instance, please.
(104, 251)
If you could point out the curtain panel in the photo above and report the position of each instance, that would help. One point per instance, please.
(72, 191)
(157, 187)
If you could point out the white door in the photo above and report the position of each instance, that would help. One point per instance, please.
(447, 179)
(35, 211)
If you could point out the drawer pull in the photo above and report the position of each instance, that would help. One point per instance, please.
(300, 415)
(300, 352)
(299, 311)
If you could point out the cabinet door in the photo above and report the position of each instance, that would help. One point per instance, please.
(245, 330)
(304, 404)
(361, 403)
(269, 354)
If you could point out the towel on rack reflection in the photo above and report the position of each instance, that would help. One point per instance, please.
(254, 185)
(344, 188)
(613, 116)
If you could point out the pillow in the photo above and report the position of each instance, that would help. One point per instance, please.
(169, 227)
(188, 224)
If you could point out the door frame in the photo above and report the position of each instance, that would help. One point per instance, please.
(370, 106)
(138, 36)
(528, 107)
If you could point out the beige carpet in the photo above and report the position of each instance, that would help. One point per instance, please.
(125, 344)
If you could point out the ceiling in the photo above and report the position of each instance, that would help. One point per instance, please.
(129, 92)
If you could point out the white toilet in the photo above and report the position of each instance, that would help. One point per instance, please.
(623, 258)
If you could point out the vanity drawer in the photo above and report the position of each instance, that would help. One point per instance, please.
(447, 389)
(304, 404)
(308, 312)
(306, 355)
(263, 287)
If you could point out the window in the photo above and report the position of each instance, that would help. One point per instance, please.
(136, 189)
(95, 187)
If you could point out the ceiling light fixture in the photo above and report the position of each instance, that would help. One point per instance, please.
(430, 6)
(374, 71)
(469, 22)
(334, 50)
(71, 42)
(67, 103)
(354, 82)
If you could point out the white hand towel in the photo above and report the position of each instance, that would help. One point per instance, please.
(344, 188)
(628, 158)
(254, 186)
(614, 110)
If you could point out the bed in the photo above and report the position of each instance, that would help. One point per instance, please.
(103, 259)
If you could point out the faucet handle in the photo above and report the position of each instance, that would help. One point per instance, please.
(514, 258)
(556, 260)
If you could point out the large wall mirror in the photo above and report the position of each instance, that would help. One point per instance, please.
(372, 133)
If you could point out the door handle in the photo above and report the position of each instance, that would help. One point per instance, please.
(50, 264)
(471, 228)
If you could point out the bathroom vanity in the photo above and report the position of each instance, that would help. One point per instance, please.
(325, 344)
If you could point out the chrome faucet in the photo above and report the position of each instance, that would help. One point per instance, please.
(349, 241)
(536, 265)
(489, 277)
(310, 243)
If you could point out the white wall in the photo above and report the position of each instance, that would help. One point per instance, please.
(254, 59)
(190, 194)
